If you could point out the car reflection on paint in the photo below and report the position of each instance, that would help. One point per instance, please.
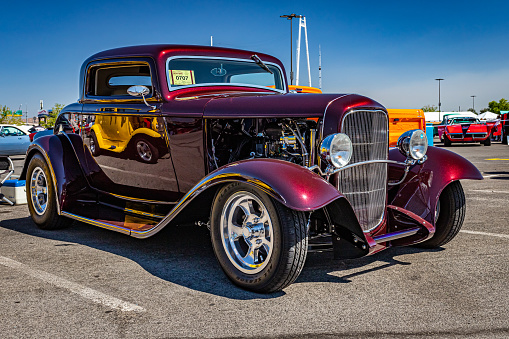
(131, 135)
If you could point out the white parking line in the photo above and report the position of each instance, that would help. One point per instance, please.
(83, 291)
(485, 233)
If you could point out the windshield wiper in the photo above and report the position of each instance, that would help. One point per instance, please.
(260, 63)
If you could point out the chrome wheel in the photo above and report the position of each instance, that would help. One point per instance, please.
(92, 145)
(39, 190)
(247, 232)
(144, 150)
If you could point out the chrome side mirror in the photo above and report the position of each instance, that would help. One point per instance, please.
(140, 91)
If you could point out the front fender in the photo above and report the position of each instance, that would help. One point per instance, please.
(424, 183)
(292, 185)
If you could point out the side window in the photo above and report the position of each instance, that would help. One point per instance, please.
(12, 131)
(115, 79)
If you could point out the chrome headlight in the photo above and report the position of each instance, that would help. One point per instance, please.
(336, 149)
(413, 144)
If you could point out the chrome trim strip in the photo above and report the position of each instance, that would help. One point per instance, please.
(396, 235)
(285, 90)
(320, 137)
(204, 184)
(97, 223)
(312, 168)
(193, 192)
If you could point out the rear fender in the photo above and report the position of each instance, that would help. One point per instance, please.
(424, 183)
(66, 172)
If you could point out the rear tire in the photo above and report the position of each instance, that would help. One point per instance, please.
(145, 150)
(505, 138)
(41, 196)
(260, 244)
(451, 209)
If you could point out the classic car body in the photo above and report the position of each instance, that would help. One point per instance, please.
(13, 140)
(504, 127)
(271, 173)
(464, 129)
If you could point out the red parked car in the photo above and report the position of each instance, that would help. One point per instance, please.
(464, 129)
(272, 174)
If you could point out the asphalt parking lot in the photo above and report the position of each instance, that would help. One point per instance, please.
(89, 282)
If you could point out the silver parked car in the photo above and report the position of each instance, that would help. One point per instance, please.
(13, 140)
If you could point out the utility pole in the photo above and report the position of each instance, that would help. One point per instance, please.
(211, 41)
(439, 103)
(290, 17)
(473, 102)
(320, 66)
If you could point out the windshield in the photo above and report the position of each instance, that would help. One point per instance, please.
(198, 71)
(462, 121)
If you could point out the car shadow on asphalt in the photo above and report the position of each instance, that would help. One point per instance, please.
(499, 175)
(183, 255)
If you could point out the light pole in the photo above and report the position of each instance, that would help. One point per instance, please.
(473, 102)
(439, 103)
(290, 17)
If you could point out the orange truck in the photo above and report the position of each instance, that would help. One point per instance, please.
(402, 120)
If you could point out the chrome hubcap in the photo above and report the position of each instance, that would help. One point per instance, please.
(247, 232)
(39, 191)
(92, 145)
(144, 150)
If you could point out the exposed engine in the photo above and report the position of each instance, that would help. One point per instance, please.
(237, 139)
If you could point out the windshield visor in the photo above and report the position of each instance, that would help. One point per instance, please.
(208, 71)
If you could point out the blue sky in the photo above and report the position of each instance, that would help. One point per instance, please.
(390, 51)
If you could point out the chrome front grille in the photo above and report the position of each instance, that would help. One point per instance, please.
(365, 186)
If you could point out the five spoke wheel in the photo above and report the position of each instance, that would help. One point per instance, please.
(39, 190)
(247, 232)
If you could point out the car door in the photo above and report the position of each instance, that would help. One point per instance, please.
(13, 141)
(126, 137)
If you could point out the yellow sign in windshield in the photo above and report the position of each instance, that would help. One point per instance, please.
(181, 77)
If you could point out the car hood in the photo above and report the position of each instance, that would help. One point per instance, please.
(273, 105)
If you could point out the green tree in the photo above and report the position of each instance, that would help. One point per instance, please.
(4, 119)
(430, 108)
(496, 107)
(50, 120)
(484, 110)
(472, 110)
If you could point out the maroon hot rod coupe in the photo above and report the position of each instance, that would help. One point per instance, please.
(219, 141)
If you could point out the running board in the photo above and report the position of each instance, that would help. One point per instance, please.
(396, 235)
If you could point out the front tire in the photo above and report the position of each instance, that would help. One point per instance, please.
(487, 142)
(41, 196)
(94, 145)
(447, 142)
(450, 215)
(260, 244)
